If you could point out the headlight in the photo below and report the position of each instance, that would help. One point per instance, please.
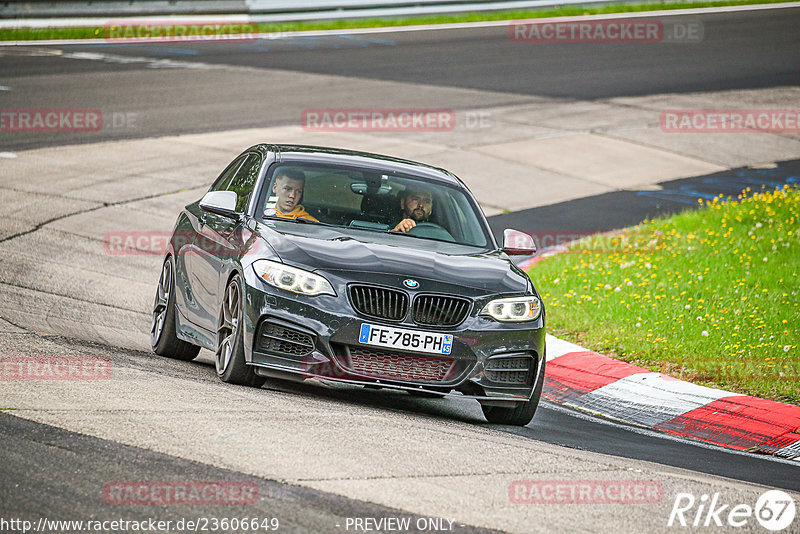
(515, 309)
(292, 279)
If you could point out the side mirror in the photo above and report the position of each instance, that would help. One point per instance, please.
(220, 202)
(516, 243)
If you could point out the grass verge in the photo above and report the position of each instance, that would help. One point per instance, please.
(708, 296)
(101, 32)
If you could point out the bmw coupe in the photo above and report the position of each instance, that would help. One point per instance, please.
(306, 262)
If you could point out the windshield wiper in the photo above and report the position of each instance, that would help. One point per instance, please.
(427, 238)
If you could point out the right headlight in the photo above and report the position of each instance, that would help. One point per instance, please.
(292, 279)
(515, 309)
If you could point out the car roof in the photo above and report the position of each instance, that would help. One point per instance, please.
(338, 156)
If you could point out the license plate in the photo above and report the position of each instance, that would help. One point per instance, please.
(401, 338)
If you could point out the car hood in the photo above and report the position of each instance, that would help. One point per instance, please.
(487, 272)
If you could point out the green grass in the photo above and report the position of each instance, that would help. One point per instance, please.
(709, 296)
(100, 32)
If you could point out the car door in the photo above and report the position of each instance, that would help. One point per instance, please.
(190, 286)
(219, 243)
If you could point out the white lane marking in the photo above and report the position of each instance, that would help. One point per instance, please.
(150, 62)
(153, 63)
(550, 405)
(453, 26)
(648, 398)
(7, 155)
(5, 88)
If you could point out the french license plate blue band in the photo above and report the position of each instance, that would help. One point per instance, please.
(364, 336)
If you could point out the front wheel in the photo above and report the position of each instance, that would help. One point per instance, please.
(229, 357)
(523, 412)
(163, 338)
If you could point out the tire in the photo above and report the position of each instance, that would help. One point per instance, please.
(229, 357)
(163, 338)
(523, 413)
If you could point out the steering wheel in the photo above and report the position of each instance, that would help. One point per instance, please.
(433, 230)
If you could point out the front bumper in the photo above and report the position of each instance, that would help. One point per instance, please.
(299, 337)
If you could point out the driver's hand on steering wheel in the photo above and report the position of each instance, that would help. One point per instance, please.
(405, 225)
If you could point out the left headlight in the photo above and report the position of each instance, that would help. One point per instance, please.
(516, 309)
(292, 279)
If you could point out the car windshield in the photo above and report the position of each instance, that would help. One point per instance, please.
(357, 200)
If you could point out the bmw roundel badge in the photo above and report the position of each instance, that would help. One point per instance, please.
(411, 284)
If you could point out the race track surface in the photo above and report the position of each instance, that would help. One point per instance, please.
(175, 114)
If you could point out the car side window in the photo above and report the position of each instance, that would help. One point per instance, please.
(244, 180)
(224, 179)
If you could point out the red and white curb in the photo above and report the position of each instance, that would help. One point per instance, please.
(598, 384)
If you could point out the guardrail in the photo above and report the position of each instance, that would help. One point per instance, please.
(113, 8)
(261, 10)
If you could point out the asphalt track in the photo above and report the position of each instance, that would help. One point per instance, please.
(56, 473)
(750, 49)
(733, 54)
(53, 469)
(619, 209)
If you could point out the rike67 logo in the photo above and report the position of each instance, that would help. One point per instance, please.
(774, 510)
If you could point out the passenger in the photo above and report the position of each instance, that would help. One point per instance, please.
(288, 187)
(416, 204)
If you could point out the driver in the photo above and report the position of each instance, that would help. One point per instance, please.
(288, 187)
(416, 204)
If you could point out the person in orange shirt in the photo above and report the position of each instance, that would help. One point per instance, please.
(288, 187)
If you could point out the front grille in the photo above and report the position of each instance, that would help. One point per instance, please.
(282, 340)
(440, 310)
(515, 370)
(389, 365)
(380, 302)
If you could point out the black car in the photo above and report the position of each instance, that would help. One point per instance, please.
(300, 262)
